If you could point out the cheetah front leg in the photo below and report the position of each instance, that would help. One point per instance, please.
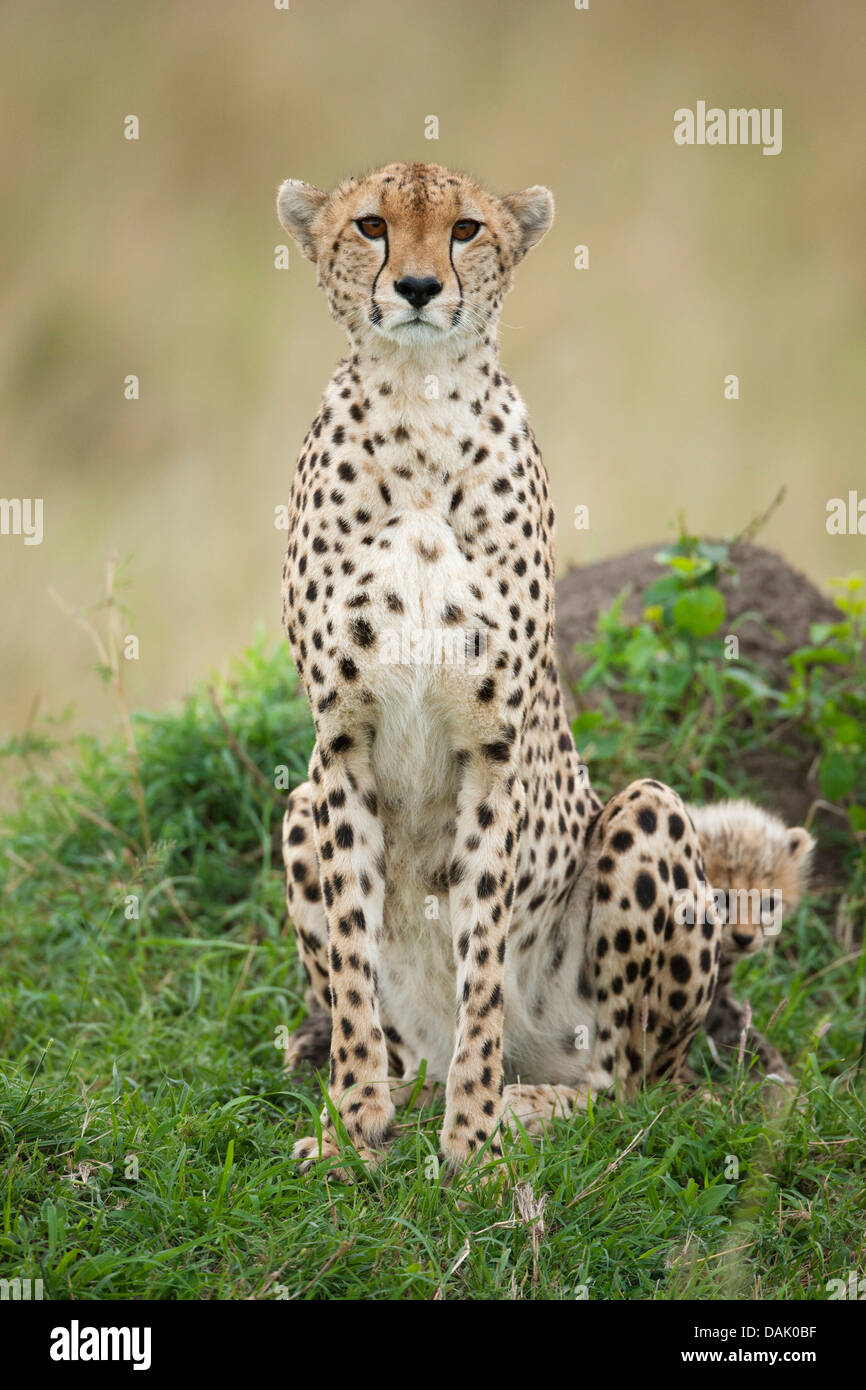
(489, 819)
(351, 853)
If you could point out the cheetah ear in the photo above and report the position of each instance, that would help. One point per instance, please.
(795, 865)
(298, 205)
(532, 210)
(800, 846)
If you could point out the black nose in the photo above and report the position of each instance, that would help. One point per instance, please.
(418, 292)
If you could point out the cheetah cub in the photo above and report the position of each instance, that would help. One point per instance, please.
(762, 869)
(459, 893)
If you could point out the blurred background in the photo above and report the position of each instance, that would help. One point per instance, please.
(155, 257)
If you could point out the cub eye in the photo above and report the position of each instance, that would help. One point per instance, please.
(372, 227)
(465, 229)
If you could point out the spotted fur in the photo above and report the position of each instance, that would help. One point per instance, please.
(551, 967)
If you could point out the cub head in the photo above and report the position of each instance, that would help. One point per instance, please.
(759, 864)
(414, 255)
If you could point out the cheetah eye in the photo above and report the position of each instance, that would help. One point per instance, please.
(372, 227)
(465, 229)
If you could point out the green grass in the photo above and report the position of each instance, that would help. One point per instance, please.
(146, 1129)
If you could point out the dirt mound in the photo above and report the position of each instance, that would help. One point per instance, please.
(786, 604)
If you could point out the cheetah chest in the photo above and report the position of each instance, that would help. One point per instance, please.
(426, 652)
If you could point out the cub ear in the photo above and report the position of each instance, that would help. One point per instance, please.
(298, 205)
(532, 210)
(800, 846)
(799, 856)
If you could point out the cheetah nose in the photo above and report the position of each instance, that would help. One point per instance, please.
(418, 291)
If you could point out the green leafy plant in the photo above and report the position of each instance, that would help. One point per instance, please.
(827, 694)
(659, 696)
(670, 665)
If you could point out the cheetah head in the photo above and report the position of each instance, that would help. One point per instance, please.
(760, 864)
(413, 254)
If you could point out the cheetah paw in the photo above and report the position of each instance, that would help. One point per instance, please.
(308, 1153)
(367, 1121)
(535, 1106)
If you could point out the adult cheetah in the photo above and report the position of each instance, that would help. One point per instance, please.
(459, 893)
